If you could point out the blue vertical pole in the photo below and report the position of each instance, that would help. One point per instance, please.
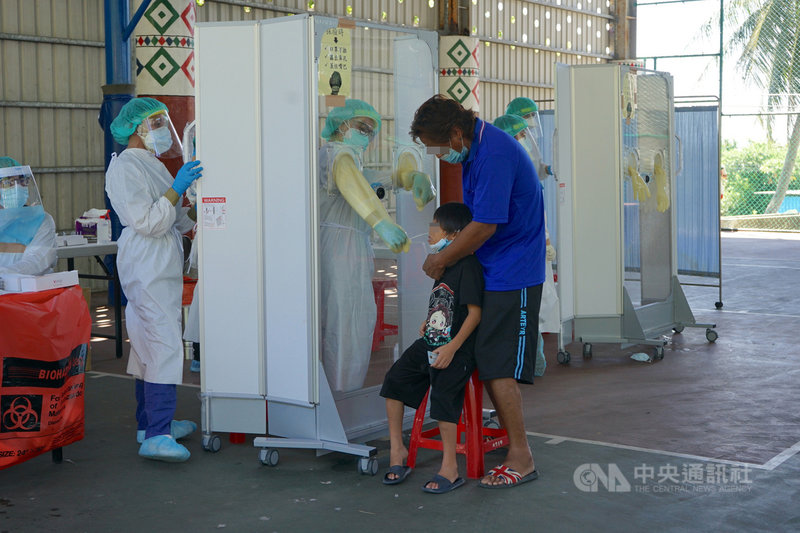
(118, 90)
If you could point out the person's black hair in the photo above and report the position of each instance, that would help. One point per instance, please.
(438, 116)
(452, 216)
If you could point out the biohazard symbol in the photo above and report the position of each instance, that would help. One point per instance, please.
(20, 415)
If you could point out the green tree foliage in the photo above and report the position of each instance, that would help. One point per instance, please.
(769, 33)
(751, 169)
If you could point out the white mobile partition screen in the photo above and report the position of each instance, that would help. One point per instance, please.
(231, 269)
(615, 174)
(264, 199)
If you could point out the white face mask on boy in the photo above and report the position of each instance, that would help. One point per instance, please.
(440, 245)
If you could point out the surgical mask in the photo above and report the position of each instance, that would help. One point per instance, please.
(440, 245)
(353, 137)
(158, 140)
(456, 157)
(15, 196)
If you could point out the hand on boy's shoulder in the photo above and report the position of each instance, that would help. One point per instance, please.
(433, 266)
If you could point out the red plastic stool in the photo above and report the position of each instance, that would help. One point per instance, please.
(477, 440)
(188, 290)
(382, 329)
(186, 300)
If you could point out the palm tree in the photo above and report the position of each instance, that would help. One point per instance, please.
(768, 33)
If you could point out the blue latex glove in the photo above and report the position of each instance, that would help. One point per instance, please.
(186, 175)
(423, 190)
(393, 235)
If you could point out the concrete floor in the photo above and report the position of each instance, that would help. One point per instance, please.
(706, 439)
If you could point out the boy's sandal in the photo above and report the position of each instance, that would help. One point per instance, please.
(445, 485)
(401, 472)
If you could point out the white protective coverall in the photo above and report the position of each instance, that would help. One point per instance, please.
(549, 314)
(149, 261)
(39, 256)
(347, 262)
(191, 330)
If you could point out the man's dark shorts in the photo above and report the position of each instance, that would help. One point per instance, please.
(505, 346)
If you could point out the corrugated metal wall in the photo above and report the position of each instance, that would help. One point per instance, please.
(415, 13)
(51, 70)
(523, 39)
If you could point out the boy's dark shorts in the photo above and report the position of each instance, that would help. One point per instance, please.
(411, 375)
(505, 346)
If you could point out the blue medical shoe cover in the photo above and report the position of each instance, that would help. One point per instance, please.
(164, 448)
(178, 430)
(181, 428)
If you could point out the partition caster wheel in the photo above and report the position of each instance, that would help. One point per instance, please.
(587, 350)
(562, 358)
(211, 443)
(711, 335)
(718, 305)
(678, 329)
(368, 466)
(658, 354)
(269, 456)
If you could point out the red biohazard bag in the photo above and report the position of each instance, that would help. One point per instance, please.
(43, 341)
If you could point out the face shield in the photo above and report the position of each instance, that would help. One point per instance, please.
(158, 135)
(21, 211)
(18, 188)
(527, 139)
(535, 126)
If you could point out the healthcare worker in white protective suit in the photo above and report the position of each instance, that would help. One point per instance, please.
(549, 316)
(27, 232)
(150, 261)
(349, 211)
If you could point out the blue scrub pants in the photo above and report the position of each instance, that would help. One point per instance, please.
(155, 407)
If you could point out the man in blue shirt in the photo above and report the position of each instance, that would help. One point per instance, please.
(507, 235)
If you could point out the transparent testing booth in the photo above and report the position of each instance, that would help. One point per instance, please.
(303, 307)
(615, 165)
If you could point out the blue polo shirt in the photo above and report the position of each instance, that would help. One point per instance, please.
(501, 187)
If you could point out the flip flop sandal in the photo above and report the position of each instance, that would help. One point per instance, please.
(510, 477)
(401, 471)
(445, 485)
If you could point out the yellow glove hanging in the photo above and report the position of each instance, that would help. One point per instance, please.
(640, 190)
(411, 179)
(662, 183)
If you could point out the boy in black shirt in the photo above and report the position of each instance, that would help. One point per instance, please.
(442, 358)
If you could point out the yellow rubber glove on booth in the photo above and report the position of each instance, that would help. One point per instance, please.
(411, 179)
(357, 192)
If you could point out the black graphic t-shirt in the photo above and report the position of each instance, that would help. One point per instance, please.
(459, 286)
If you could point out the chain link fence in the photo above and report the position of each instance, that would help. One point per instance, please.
(750, 182)
(760, 182)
